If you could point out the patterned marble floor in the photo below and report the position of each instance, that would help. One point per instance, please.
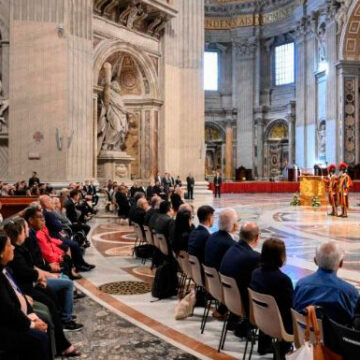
(302, 229)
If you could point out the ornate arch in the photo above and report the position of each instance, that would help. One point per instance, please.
(349, 48)
(273, 124)
(216, 127)
(108, 47)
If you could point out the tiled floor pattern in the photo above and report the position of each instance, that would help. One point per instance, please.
(302, 229)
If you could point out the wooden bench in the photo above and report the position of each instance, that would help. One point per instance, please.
(11, 205)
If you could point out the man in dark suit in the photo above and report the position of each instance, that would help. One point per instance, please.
(199, 236)
(240, 260)
(142, 206)
(154, 209)
(158, 178)
(190, 182)
(73, 214)
(219, 242)
(34, 179)
(164, 220)
(217, 184)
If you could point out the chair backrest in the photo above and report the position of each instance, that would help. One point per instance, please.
(163, 246)
(213, 283)
(148, 235)
(232, 297)
(156, 240)
(267, 316)
(341, 339)
(183, 260)
(138, 232)
(299, 326)
(196, 270)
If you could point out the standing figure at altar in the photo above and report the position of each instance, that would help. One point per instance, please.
(345, 183)
(331, 182)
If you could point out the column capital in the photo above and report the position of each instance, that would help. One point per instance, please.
(245, 48)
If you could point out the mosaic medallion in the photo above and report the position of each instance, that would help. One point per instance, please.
(126, 288)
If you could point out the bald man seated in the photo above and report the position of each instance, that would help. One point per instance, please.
(219, 242)
(241, 260)
(338, 299)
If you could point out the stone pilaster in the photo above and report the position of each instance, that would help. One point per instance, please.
(182, 149)
(51, 94)
(245, 63)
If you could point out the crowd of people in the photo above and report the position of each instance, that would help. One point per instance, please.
(232, 252)
(42, 251)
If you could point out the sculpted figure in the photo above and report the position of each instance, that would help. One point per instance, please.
(4, 104)
(114, 118)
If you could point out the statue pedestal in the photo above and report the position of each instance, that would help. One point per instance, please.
(114, 165)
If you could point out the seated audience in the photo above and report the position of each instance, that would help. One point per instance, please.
(164, 220)
(122, 202)
(269, 279)
(1, 217)
(22, 332)
(56, 231)
(51, 253)
(134, 208)
(199, 236)
(338, 299)
(41, 286)
(241, 259)
(219, 242)
(138, 215)
(176, 199)
(75, 215)
(179, 237)
(154, 209)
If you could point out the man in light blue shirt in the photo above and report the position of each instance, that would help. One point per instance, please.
(338, 299)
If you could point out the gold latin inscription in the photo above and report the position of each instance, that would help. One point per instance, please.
(248, 20)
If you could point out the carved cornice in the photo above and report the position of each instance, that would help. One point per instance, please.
(141, 15)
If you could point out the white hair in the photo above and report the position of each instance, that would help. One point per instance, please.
(329, 255)
(227, 219)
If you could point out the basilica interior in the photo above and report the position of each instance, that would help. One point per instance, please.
(179, 179)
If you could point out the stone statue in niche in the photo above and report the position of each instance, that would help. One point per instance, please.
(4, 105)
(321, 137)
(114, 117)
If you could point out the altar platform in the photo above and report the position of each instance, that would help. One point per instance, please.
(267, 187)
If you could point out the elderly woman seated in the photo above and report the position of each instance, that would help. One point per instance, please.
(22, 332)
(42, 286)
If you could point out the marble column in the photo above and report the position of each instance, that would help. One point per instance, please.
(291, 117)
(259, 128)
(229, 151)
(154, 125)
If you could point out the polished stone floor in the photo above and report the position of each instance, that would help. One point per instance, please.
(301, 228)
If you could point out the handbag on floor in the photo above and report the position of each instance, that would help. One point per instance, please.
(185, 307)
(316, 351)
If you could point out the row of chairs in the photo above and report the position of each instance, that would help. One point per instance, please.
(264, 313)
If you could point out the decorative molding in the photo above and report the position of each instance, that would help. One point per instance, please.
(246, 48)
